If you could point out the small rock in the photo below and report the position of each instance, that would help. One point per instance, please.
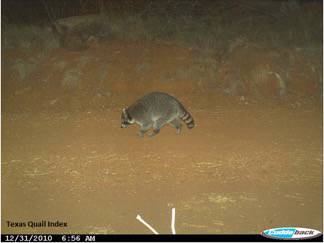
(53, 101)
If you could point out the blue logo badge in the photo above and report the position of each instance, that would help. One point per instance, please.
(291, 233)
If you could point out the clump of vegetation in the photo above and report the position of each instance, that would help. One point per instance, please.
(267, 71)
(28, 37)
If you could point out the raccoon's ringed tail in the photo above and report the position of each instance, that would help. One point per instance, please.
(187, 118)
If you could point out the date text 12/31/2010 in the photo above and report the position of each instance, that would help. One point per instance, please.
(47, 238)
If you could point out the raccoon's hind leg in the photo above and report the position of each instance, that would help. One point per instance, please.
(144, 128)
(176, 123)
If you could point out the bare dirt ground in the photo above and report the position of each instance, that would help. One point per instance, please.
(247, 165)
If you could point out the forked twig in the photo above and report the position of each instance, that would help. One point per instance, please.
(139, 218)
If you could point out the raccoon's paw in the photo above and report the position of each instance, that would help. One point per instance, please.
(155, 131)
(151, 134)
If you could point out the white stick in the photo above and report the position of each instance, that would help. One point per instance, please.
(146, 224)
(173, 221)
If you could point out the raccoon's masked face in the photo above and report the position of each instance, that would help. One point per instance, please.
(126, 119)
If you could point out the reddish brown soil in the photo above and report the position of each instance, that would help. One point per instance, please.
(247, 165)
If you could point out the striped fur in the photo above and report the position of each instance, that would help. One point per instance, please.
(155, 110)
(187, 118)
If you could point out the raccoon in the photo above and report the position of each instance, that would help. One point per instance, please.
(155, 110)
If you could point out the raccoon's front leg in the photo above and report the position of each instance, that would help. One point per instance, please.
(144, 128)
(157, 125)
